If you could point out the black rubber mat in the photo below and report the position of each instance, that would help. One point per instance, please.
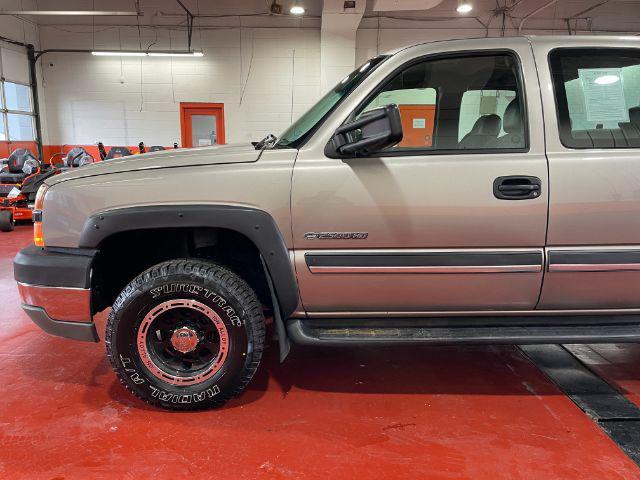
(617, 416)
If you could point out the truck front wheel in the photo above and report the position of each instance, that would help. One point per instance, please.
(186, 335)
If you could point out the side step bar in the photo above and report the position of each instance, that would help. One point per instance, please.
(311, 333)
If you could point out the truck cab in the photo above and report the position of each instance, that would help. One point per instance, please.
(467, 191)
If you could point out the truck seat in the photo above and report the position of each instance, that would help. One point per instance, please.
(512, 125)
(483, 134)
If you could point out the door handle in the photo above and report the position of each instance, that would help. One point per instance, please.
(517, 187)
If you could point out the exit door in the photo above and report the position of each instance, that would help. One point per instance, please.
(202, 124)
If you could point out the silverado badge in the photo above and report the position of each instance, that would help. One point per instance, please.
(336, 235)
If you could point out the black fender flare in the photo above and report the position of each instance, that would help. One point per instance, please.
(257, 225)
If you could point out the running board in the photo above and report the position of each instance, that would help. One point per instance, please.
(311, 333)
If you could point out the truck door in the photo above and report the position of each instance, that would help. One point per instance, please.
(592, 121)
(451, 219)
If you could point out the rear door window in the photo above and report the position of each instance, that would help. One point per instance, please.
(598, 97)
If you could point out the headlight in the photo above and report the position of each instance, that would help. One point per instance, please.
(38, 239)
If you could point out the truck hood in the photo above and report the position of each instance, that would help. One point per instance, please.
(234, 153)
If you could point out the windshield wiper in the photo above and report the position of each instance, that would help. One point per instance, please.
(267, 141)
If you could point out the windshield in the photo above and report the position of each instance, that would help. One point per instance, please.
(296, 133)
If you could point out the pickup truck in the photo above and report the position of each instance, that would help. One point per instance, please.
(478, 191)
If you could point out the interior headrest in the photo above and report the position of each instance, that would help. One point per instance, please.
(634, 115)
(487, 125)
(512, 122)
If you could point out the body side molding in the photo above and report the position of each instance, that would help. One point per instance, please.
(257, 225)
(594, 259)
(425, 261)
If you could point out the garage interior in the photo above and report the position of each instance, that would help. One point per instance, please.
(72, 75)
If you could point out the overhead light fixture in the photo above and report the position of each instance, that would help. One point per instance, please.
(176, 54)
(607, 79)
(128, 53)
(464, 6)
(296, 9)
(119, 54)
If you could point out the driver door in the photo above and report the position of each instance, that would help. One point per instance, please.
(417, 228)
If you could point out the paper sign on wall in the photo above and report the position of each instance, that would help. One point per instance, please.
(604, 95)
(419, 123)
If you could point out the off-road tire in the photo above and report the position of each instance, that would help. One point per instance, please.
(214, 288)
(7, 222)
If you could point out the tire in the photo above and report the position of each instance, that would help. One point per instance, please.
(186, 335)
(6, 221)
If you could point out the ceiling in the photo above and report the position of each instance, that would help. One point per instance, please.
(612, 15)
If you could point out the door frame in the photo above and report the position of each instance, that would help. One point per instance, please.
(186, 110)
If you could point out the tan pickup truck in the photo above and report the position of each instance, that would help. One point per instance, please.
(475, 191)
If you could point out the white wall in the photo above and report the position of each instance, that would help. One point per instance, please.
(264, 77)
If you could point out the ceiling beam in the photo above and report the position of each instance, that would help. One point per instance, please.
(73, 12)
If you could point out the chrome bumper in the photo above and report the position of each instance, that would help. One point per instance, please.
(60, 303)
(55, 286)
(60, 311)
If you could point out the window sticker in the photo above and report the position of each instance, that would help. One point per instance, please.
(419, 123)
(604, 94)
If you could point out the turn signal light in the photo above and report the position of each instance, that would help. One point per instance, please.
(38, 238)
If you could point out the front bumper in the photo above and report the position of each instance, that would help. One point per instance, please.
(55, 287)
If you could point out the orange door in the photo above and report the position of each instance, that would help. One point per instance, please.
(417, 125)
(202, 124)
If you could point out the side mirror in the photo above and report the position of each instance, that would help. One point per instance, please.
(375, 130)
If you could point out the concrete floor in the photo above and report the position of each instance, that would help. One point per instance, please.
(437, 413)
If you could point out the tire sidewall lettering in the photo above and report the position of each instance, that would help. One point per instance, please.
(174, 288)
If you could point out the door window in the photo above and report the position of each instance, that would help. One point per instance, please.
(203, 130)
(598, 97)
(460, 103)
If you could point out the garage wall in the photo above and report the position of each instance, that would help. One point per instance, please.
(264, 77)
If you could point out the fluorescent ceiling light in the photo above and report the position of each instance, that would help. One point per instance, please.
(176, 54)
(464, 7)
(72, 12)
(607, 79)
(125, 53)
(297, 9)
(119, 54)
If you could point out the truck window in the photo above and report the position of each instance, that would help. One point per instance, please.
(469, 102)
(597, 93)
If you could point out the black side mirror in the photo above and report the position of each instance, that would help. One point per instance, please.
(375, 130)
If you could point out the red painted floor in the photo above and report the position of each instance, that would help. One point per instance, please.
(436, 413)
